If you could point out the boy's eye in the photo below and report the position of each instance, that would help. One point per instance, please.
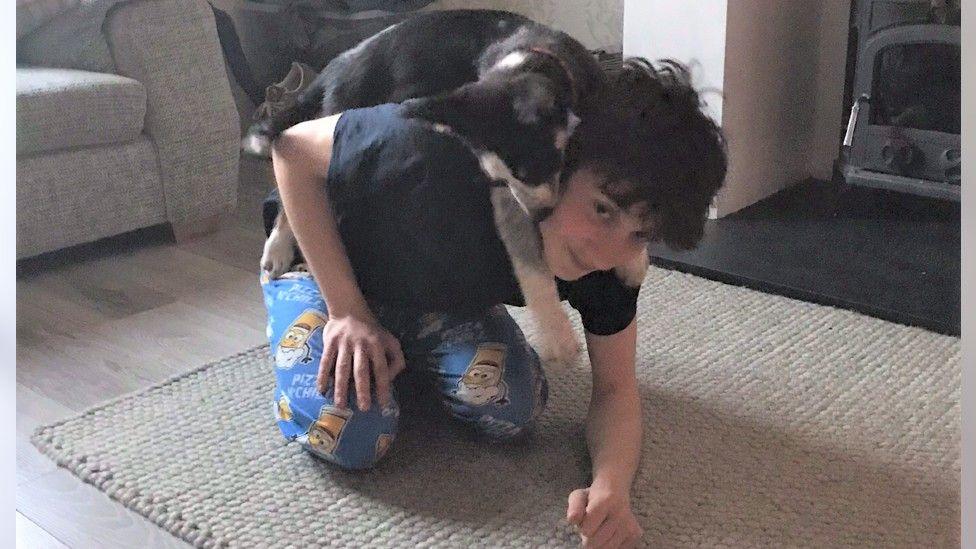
(602, 209)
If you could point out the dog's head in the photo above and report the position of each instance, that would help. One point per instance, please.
(519, 126)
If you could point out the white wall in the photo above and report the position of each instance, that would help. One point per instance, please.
(780, 66)
(596, 24)
(657, 29)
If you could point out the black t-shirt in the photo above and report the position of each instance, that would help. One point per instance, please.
(414, 212)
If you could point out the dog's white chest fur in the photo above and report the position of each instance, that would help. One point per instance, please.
(529, 198)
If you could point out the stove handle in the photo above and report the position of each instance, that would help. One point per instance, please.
(852, 121)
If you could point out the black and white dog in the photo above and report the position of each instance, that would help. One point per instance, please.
(432, 53)
(506, 86)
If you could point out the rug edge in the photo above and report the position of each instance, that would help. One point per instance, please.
(89, 473)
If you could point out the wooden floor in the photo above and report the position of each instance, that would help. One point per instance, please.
(103, 320)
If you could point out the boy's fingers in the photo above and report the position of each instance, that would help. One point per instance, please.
(576, 509)
(360, 368)
(381, 374)
(396, 360)
(602, 536)
(618, 540)
(341, 376)
(323, 383)
(592, 522)
(325, 368)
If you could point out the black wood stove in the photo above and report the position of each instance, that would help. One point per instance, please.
(902, 97)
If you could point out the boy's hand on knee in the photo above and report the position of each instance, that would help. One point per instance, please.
(363, 350)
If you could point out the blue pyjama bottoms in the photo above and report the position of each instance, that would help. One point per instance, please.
(482, 369)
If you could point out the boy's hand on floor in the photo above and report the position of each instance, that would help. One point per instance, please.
(603, 518)
(362, 349)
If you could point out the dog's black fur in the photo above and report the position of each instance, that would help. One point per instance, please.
(431, 53)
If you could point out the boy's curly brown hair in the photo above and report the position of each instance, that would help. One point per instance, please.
(654, 148)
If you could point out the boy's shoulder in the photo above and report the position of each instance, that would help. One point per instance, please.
(388, 126)
(382, 141)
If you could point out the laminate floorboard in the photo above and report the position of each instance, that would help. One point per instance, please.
(112, 317)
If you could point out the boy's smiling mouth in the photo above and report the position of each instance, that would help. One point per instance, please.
(578, 262)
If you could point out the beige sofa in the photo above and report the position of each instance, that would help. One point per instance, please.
(125, 119)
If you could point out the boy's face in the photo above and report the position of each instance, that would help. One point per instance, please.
(588, 232)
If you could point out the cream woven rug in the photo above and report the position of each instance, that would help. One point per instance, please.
(767, 422)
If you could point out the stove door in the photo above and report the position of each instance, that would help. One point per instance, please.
(910, 125)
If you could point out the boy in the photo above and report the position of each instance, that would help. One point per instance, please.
(407, 273)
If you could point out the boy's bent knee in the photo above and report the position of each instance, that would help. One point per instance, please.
(350, 439)
(354, 460)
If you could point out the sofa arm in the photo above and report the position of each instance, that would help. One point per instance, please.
(171, 47)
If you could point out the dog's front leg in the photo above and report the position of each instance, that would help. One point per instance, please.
(558, 340)
(537, 282)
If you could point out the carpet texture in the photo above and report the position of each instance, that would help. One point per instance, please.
(767, 422)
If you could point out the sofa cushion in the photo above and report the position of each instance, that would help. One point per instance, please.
(32, 14)
(64, 108)
(80, 195)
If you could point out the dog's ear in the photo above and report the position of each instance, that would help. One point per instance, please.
(562, 136)
(572, 122)
(449, 109)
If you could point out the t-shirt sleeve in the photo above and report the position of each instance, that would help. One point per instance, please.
(606, 305)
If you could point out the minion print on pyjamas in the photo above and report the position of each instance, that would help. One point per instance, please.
(324, 433)
(482, 381)
(383, 444)
(293, 347)
(283, 409)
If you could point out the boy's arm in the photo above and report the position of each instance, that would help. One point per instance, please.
(613, 436)
(355, 345)
(301, 158)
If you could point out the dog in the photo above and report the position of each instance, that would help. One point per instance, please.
(530, 73)
(432, 53)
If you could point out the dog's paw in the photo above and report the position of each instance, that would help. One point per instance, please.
(558, 342)
(277, 257)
